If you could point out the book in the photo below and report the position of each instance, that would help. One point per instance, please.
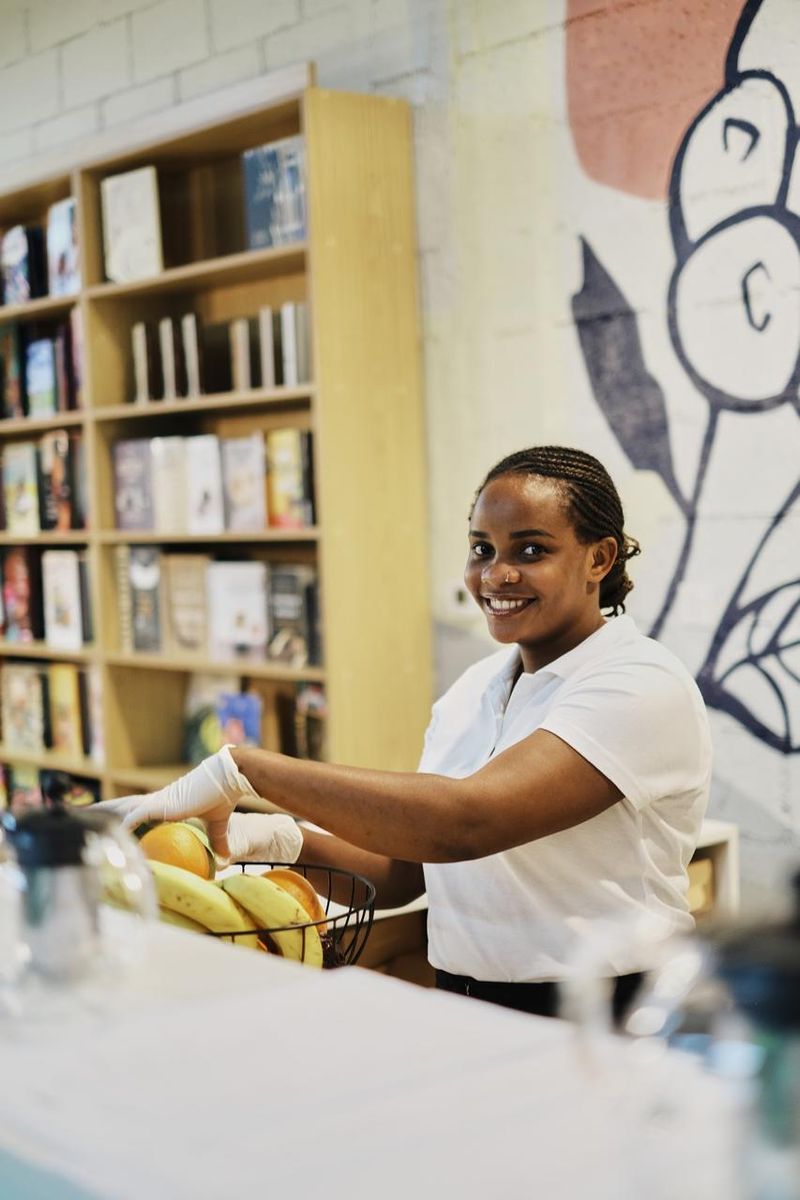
(22, 594)
(76, 356)
(144, 578)
(245, 354)
(12, 365)
(310, 722)
(87, 622)
(91, 683)
(168, 474)
(61, 593)
(122, 568)
(173, 368)
(216, 353)
(244, 482)
(19, 488)
(65, 709)
(202, 734)
(55, 481)
(72, 790)
(185, 627)
(293, 614)
(239, 715)
(41, 386)
(62, 351)
(23, 707)
(266, 345)
(294, 343)
(80, 481)
(147, 375)
(22, 264)
(205, 503)
(274, 192)
(63, 269)
(191, 337)
(24, 791)
(133, 484)
(289, 502)
(237, 610)
(131, 225)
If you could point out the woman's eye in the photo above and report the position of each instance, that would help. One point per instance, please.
(481, 549)
(532, 550)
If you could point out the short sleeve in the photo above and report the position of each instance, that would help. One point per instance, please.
(644, 727)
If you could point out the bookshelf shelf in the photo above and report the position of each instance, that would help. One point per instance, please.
(42, 650)
(253, 670)
(257, 399)
(356, 274)
(113, 537)
(247, 267)
(36, 310)
(30, 425)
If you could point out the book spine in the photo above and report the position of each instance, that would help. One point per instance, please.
(122, 556)
(166, 343)
(289, 344)
(266, 346)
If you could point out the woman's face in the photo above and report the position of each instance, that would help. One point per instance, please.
(535, 583)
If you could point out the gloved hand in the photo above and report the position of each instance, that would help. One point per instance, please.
(258, 837)
(211, 791)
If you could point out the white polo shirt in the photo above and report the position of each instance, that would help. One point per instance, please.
(629, 707)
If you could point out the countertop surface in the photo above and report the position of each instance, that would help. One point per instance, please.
(212, 1070)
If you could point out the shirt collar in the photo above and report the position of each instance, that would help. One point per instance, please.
(612, 632)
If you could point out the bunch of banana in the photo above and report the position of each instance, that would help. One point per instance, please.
(272, 908)
(189, 898)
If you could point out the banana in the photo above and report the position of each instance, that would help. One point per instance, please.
(174, 918)
(271, 908)
(185, 893)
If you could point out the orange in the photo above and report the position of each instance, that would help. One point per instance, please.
(179, 845)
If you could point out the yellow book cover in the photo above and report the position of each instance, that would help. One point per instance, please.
(65, 709)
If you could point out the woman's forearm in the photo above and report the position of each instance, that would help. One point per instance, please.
(402, 815)
(396, 883)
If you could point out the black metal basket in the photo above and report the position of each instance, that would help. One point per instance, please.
(346, 927)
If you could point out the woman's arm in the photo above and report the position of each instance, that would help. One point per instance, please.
(395, 882)
(537, 787)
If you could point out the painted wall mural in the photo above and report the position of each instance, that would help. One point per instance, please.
(731, 183)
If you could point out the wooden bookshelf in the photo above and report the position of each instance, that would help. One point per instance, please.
(357, 272)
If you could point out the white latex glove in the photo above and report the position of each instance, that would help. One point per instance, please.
(258, 837)
(211, 791)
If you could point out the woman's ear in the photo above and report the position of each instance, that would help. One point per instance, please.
(603, 557)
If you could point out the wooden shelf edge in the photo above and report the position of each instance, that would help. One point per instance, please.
(256, 398)
(42, 424)
(245, 264)
(52, 760)
(113, 537)
(278, 672)
(43, 650)
(42, 306)
(76, 537)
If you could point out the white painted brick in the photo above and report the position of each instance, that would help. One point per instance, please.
(480, 24)
(95, 64)
(54, 21)
(219, 71)
(13, 45)
(234, 22)
(66, 128)
(29, 91)
(120, 8)
(310, 41)
(313, 8)
(15, 146)
(167, 37)
(135, 102)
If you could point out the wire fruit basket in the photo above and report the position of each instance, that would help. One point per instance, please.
(346, 926)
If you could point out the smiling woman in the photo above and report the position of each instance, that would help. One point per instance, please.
(563, 779)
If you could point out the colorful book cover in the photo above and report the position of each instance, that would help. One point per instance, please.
(133, 484)
(131, 225)
(22, 264)
(19, 488)
(13, 371)
(274, 189)
(205, 502)
(63, 623)
(24, 790)
(40, 377)
(288, 503)
(63, 271)
(55, 481)
(202, 734)
(22, 707)
(65, 709)
(239, 715)
(293, 614)
(22, 593)
(244, 481)
(145, 588)
(237, 610)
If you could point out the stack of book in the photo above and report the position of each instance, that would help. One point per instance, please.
(44, 484)
(180, 357)
(35, 262)
(45, 596)
(49, 707)
(22, 787)
(40, 368)
(188, 605)
(274, 192)
(206, 485)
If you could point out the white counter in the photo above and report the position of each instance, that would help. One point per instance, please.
(222, 1072)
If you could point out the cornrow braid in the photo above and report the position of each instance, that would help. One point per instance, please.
(593, 506)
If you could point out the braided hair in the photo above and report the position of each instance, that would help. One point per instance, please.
(592, 502)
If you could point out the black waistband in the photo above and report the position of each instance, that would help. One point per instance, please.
(540, 998)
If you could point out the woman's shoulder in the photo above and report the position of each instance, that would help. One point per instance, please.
(497, 668)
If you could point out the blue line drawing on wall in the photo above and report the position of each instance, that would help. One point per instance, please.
(734, 285)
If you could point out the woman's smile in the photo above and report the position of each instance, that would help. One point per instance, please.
(506, 606)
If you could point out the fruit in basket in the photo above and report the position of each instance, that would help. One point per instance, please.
(180, 845)
(273, 909)
(185, 893)
(303, 891)
(174, 918)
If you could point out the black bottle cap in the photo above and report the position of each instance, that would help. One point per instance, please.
(762, 968)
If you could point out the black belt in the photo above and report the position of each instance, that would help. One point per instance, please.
(539, 998)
